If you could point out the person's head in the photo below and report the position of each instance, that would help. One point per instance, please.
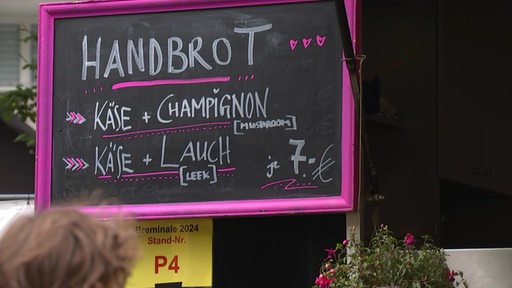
(61, 248)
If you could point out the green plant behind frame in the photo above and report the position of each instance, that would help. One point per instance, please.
(21, 102)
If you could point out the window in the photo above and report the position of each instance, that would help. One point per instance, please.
(9, 55)
(15, 54)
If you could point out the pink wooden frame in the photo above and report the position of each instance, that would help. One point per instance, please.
(49, 12)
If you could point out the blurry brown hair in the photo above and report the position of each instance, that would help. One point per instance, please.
(66, 248)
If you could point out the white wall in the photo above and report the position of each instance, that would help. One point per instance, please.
(9, 210)
(483, 267)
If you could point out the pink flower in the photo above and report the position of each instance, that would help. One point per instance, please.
(345, 242)
(451, 276)
(323, 281)
(331, 253)
(409, 239)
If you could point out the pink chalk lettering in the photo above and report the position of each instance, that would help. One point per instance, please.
(293, 44)
(320, 40)
(306, 42)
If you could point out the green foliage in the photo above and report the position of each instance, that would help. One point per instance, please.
(387, 262)
(19, 102)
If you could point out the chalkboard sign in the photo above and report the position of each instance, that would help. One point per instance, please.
(194, 108)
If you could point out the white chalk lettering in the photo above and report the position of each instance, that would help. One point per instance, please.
(243, 105)
(162, 159)
(138, 55)
(213, 152)
(171, 52)
(85, 59)
(110, 115)
(113, 160)
(193, 53)
(114, 56)
(197, 55)
(250, 45)
(154, 47)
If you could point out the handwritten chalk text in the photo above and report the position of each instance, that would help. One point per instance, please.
(178, 57)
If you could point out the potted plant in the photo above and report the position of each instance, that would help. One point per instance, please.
(387, 262)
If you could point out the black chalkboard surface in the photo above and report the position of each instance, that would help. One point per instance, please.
(220, 104)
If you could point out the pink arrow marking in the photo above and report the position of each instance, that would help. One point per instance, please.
(70, 162)
(80, 164)
(75, 164)
(71, 117)
(75, 118)
(80, 119)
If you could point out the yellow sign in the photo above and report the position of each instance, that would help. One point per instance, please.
(174, 250)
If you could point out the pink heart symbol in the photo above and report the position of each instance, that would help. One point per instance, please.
(293, 44)
(320, 40)
(306, 42)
